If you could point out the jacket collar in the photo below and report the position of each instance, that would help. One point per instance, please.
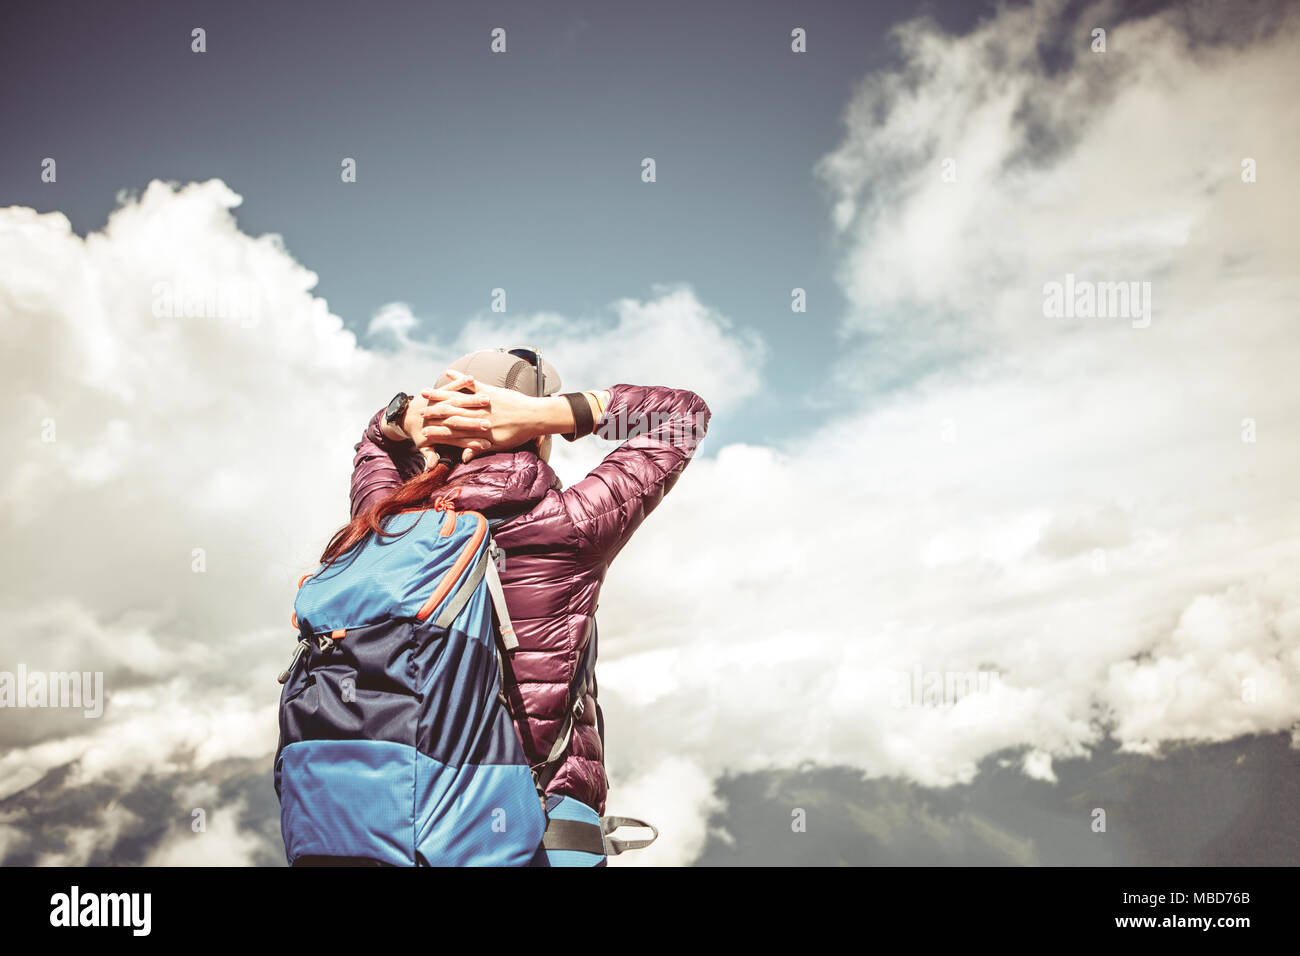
(503, 484)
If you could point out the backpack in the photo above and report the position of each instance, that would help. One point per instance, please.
(395, 742)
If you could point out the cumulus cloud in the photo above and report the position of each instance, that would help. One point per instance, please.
(1100, 515)
(222, 842)
(180, 419)
(669, 339)
(975, 173)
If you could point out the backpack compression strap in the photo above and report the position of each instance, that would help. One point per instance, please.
(589, 838)
(615, 846)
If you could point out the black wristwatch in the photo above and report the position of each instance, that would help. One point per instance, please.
(396, 410)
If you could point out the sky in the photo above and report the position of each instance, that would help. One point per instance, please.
(520, 170)
(927, 476)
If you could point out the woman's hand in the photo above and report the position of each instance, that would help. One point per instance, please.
(455, 408)
(501, 419)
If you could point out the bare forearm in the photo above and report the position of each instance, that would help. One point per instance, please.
(503, 419)
(555, 414)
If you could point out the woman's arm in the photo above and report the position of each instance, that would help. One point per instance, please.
(504, 419)
(385, 458)
(659, 428)
(387, 455)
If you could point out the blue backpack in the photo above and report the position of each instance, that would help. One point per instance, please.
(396, 746)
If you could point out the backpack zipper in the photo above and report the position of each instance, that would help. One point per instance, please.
(297, 653)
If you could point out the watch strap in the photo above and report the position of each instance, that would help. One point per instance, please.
(584, 423)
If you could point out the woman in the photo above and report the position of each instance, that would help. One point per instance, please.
(497, 410)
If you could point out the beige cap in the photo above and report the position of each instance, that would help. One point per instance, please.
(506, 369)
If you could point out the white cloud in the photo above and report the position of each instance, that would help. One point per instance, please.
(221, 843)
(80, 843)
(179, 400)
(681, 822)
(670, 339)
(1068, 504)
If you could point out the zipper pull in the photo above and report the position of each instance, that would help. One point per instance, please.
(297, 653)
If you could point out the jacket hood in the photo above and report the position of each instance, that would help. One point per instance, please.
(504, 483)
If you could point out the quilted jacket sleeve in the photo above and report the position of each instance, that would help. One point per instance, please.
(660, 429)
(380, 465)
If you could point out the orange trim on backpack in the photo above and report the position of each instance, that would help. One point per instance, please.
(462, 562)
(293, 615)
(445, 503)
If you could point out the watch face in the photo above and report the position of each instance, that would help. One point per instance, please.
(396, 407)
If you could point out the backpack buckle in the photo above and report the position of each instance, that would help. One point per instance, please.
(326, 641)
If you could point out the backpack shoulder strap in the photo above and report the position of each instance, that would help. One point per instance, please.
(485, 568)
(458, 600)
(544, 771)
(494, 555)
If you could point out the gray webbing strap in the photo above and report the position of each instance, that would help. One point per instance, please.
(544, 771)
(573, 835)
(576, 703)
(615, 846)
(499, 600)
(462, 596)
(562, 741)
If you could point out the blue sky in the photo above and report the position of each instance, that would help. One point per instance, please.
(476, 170)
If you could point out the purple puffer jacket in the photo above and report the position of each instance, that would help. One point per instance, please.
(557, 551)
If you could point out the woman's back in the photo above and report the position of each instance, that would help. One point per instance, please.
(558, 545)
